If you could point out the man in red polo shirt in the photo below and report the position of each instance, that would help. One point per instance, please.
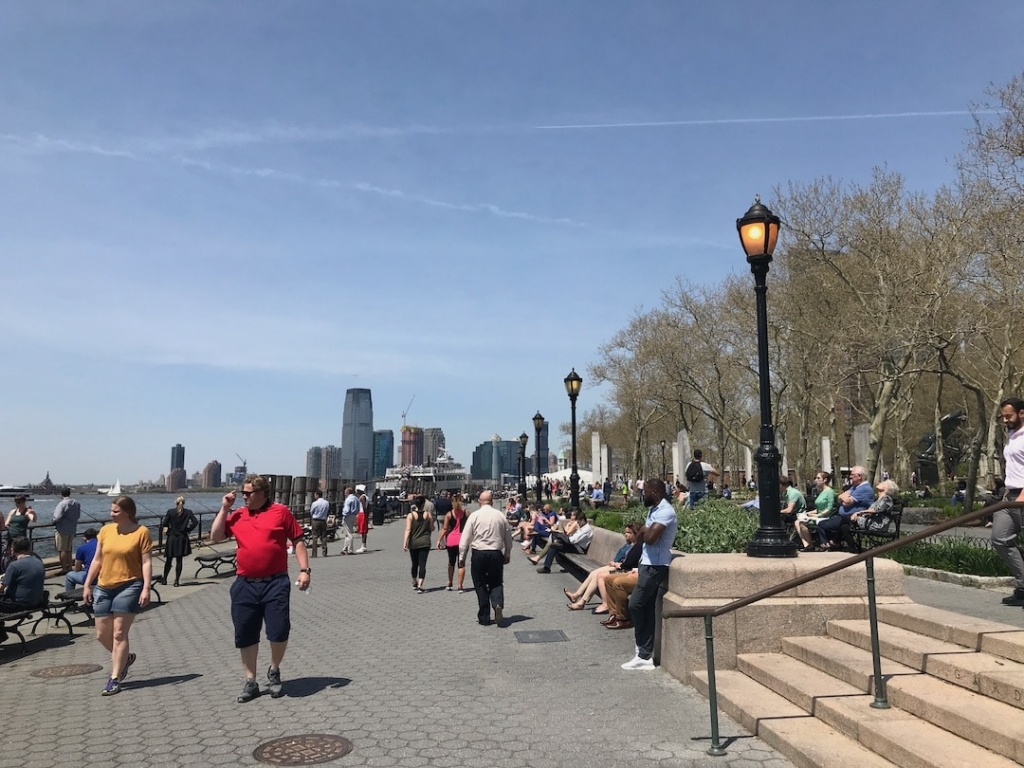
(261, 593)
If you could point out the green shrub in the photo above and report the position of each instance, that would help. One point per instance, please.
(956, 554)
(715, 526)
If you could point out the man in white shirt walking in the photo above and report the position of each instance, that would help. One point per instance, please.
(487, 533)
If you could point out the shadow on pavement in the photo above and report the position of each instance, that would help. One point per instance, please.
(514, 619)
(308, 686)
(11, 649)
(153, 682)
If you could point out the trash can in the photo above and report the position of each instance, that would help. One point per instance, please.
(378, 513)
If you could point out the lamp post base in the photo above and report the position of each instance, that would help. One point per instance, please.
(771, 542)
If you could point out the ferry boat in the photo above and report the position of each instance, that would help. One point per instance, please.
(10, 491)
(445, 474)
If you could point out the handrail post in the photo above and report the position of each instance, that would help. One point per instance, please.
(716, 749)
(880, 702)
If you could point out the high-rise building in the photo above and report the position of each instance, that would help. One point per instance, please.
(314, 461)
(412, 446)
(176, 479)
(330, 468)
(357, 435)
(211, 475)
(433, 442)
(495, 458)
(383, 451)
(178, 457)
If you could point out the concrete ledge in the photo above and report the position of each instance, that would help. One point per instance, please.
(962, 579)
(699, 581)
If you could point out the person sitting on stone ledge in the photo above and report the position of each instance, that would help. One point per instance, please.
(592, 584)
(543, 522)
(577, 542)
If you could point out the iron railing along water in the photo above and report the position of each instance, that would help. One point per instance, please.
(867, 557)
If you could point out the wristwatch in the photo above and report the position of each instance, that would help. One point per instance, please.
(306, 570)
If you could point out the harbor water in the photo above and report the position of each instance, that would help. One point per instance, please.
(151, 508)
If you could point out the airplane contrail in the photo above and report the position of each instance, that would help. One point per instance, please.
(751, 120)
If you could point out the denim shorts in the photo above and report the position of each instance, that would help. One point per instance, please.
(123, 598)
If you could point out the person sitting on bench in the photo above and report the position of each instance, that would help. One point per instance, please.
(23, 579)
(577, 542)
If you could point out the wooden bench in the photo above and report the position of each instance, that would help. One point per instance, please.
(215, 561)
(603, 548)
(55, 609)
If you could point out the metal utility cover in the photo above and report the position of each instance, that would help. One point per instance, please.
(542, 636)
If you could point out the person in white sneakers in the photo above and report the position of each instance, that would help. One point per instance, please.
(658, 535)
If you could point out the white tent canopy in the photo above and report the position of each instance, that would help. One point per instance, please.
(562, 475)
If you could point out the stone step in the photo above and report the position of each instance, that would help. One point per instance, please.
(842, 661)
(903, 738)
(805, 740)
(997, 677)
(956, 628)
(894, 643)
(793, 679)
(970, 715)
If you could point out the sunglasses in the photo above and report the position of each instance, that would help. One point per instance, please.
(247, 494)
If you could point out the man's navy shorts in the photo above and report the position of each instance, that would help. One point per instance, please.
(258, 601)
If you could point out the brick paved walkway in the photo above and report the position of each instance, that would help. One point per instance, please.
(412, 680)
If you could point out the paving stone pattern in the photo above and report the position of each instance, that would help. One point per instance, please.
(411, 679)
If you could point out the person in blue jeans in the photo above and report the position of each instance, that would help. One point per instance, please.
(857, 499)
(657, 535)
(83, 559)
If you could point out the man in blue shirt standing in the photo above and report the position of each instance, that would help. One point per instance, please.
(657, 535)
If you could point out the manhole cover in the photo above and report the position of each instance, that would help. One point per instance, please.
(69, 670)
(542, 636)
(306, 749)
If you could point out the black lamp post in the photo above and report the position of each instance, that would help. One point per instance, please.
(538, 425)
(759, 231)
(523, 440)
(573, 383)
(663, 460)
(847, 435)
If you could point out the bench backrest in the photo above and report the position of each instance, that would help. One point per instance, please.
(604, 545)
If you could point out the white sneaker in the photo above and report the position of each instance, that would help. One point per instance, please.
(637, 663)
(361, 550)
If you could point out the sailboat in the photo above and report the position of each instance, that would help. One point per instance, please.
(115, 489)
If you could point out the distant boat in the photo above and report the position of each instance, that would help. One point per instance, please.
(114, 490)
(10, 491)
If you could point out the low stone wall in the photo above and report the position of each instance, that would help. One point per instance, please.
(715, 580)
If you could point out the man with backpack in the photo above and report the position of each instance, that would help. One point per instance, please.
(698, 473)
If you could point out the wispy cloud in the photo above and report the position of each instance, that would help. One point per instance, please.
(758, 120)
(42, 144)
(372, 189)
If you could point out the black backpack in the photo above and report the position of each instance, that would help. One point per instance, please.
(694, 472)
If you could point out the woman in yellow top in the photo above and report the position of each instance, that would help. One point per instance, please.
(117, 585)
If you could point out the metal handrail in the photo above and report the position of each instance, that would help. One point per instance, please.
(867, 557)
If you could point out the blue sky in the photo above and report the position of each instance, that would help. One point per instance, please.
(216, 218)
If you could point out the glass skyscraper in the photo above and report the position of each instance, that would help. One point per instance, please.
(383, 451)
(357, 436)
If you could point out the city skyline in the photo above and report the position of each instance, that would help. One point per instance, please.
(508, 183)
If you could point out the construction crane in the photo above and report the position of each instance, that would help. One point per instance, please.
(245, 465)
(407, 409)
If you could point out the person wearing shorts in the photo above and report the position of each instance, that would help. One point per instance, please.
(261, 594)
(65, 523)
(117, 585)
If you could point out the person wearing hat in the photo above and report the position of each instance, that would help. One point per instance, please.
(83, 559)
